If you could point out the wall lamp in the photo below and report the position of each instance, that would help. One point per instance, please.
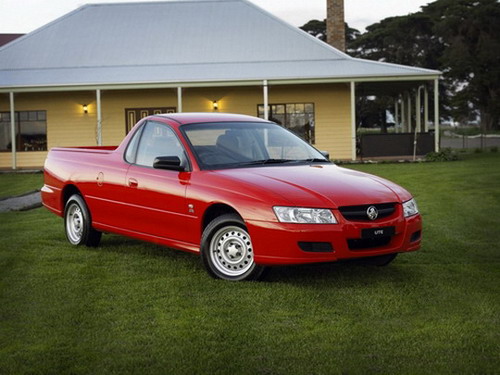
(215, 105)
(85, 108)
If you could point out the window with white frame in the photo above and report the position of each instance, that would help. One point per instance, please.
(297, 117)
(30, 128)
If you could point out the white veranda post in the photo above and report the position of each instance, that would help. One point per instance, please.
(13, 130)
(266, 100)
(353, 120)
(179, 99)
(99, 118)
(436, 115)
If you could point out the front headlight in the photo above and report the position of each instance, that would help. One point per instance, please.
(304, 215)
(410, 208)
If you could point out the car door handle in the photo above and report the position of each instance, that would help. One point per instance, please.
(132, 182)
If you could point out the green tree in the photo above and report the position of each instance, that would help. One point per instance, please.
(470, 33)
(318, 29)
(461, 38)
(407, 40)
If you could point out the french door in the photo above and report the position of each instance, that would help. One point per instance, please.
(133, 115)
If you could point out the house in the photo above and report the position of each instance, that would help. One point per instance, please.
(87, 77)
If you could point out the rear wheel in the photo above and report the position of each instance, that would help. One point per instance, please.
(227, 250)
(78, 223)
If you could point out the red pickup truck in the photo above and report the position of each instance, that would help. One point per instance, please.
(242, 192)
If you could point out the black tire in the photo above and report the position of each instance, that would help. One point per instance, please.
(226, 250)
(379, 261)
(78, 223)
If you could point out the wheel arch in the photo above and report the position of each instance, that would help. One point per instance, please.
(215, 210)
(67, 192)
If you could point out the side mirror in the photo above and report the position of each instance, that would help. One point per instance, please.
(326, 154)
(172, 163)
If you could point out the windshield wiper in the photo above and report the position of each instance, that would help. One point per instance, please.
(267, 161)
(316, 160)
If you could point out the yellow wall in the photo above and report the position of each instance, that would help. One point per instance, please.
(331, 105)
(67, 125)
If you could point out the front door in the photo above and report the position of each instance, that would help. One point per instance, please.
(156, 198)
(133, 115)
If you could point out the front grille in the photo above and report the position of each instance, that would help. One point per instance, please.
(367, 243)
(316, 247)
(359, 213)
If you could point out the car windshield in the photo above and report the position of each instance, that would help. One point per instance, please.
(239, 144)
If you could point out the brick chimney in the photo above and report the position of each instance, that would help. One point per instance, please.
(335, 24)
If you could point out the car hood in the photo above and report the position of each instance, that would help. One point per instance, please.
(317, 185)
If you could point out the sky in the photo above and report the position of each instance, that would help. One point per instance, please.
(23, 16)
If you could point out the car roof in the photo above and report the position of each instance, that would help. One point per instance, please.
(197, 117)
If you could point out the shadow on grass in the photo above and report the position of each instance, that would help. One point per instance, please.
(344, 273)
(337, 273)
(126, 245)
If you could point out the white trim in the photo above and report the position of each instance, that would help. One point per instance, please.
(436, 115)
(99, 118)
(408, 113)
(418, 110)
(426, 109)
(353, 120)
(266, 100)
(403, 114)
(396, 114)
(179, 99)
(13, 130)
(222, 83)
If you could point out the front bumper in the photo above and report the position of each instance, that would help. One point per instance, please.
(278, 243)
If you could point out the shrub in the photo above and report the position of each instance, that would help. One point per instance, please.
(494, 149)
(446, 154)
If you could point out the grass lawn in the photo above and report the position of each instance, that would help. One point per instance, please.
(19, 183)
(129, 307)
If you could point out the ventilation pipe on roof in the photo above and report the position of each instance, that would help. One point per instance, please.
(335, 24)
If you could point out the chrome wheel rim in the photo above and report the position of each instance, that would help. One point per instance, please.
(231, 251)
(74, 223)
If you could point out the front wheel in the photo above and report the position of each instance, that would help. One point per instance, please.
(78, 224)
(227, 251)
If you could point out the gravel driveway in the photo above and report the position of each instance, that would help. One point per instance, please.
(21, 203)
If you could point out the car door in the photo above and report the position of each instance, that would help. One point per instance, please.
(156, 198)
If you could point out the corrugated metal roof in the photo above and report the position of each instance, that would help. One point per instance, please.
(176, 41)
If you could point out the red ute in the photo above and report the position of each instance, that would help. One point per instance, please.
(243, 192)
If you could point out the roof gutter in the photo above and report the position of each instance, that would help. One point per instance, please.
(188, 84)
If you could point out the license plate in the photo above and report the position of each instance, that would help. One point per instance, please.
(377, 232)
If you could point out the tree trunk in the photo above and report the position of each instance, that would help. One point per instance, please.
(486, 120)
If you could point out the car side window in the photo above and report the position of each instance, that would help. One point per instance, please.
(132, 146)
(157, 140)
